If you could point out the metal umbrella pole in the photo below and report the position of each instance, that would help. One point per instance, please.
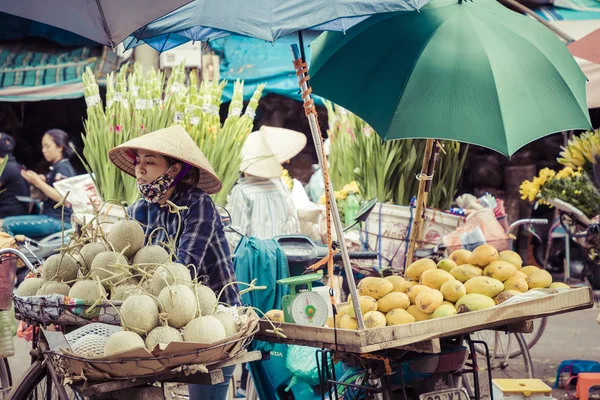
(302, 74)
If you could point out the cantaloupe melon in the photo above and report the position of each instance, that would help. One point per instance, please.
(121, 292)
(152, 256)
(231, 327)
(87, 290)
(29, 287)
(139, 313)
(125, 233)
(206, 330)
(52, 287)
(122, 341)
(179, 302)
(87, 254)
(104, 268)
(60, 268)
(162, 335)
(207, 300)
(90, 345)
(173, 274)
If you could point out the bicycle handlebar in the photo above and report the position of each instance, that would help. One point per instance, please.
(528, 221)
(21, 256)
(360, 255)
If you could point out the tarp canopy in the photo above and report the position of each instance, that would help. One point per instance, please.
(255, 61)
(36, 70)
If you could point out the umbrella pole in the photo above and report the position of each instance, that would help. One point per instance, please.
(302, 74)
(425, 177)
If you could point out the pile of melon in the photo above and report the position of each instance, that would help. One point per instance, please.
(157, 299)
(466, 281)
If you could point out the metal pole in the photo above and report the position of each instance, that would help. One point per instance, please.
(316, 135)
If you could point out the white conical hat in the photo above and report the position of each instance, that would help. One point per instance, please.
(258, 159)
(284, 142)
(172, 142)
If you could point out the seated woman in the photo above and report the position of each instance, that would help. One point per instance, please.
(56, 150)
(12, 184)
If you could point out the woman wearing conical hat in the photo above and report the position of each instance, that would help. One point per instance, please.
(169, 166)
(259, 204)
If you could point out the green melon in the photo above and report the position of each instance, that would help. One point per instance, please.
(125, 233)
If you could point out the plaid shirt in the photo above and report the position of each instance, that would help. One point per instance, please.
(201, 240)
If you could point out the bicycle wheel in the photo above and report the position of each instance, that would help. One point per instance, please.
(38, 382)
(501, 344)
(501, 366)
(5, 377)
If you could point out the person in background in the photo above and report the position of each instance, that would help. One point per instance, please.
(259, 203)
(56, 150)
(315, 188)
(12, 184)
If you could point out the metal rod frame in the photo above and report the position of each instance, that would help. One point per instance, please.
(316, 135)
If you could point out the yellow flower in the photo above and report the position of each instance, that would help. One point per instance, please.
(565, 173)
(287, 179)
(529, 190)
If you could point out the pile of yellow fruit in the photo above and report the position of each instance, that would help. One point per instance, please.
(465, 281)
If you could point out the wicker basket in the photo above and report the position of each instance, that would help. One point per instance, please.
(62, 310)
(184, 357)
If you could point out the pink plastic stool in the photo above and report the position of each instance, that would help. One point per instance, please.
(586, 381)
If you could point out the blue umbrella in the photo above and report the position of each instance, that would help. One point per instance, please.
(107, 22)
(269, 19)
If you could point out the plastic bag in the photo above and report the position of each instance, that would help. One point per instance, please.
(83, 195)
(302, 363)
(309, 213)
(480, 226)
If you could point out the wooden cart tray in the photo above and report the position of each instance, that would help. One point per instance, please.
(425, 335)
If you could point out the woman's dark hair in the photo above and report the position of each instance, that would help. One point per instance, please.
(61, 139)
(7, 144)
(190, 180)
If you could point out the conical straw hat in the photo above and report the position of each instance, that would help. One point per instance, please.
(285, 143)
(258, 159)
(172, 142)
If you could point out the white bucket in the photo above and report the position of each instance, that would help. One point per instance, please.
(390, 236)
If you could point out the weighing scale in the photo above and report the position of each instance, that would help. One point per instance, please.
(306, 307)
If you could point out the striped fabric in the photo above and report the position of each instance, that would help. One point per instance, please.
(31, 71)
(261, 208)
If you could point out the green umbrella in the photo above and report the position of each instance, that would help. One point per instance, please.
(475, 72)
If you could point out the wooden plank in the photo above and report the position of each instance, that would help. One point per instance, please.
(432, 346)
(517, 327)
(214, 376)
(244, 357)
(368, 340)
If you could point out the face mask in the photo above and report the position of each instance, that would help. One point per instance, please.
(154, 191)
